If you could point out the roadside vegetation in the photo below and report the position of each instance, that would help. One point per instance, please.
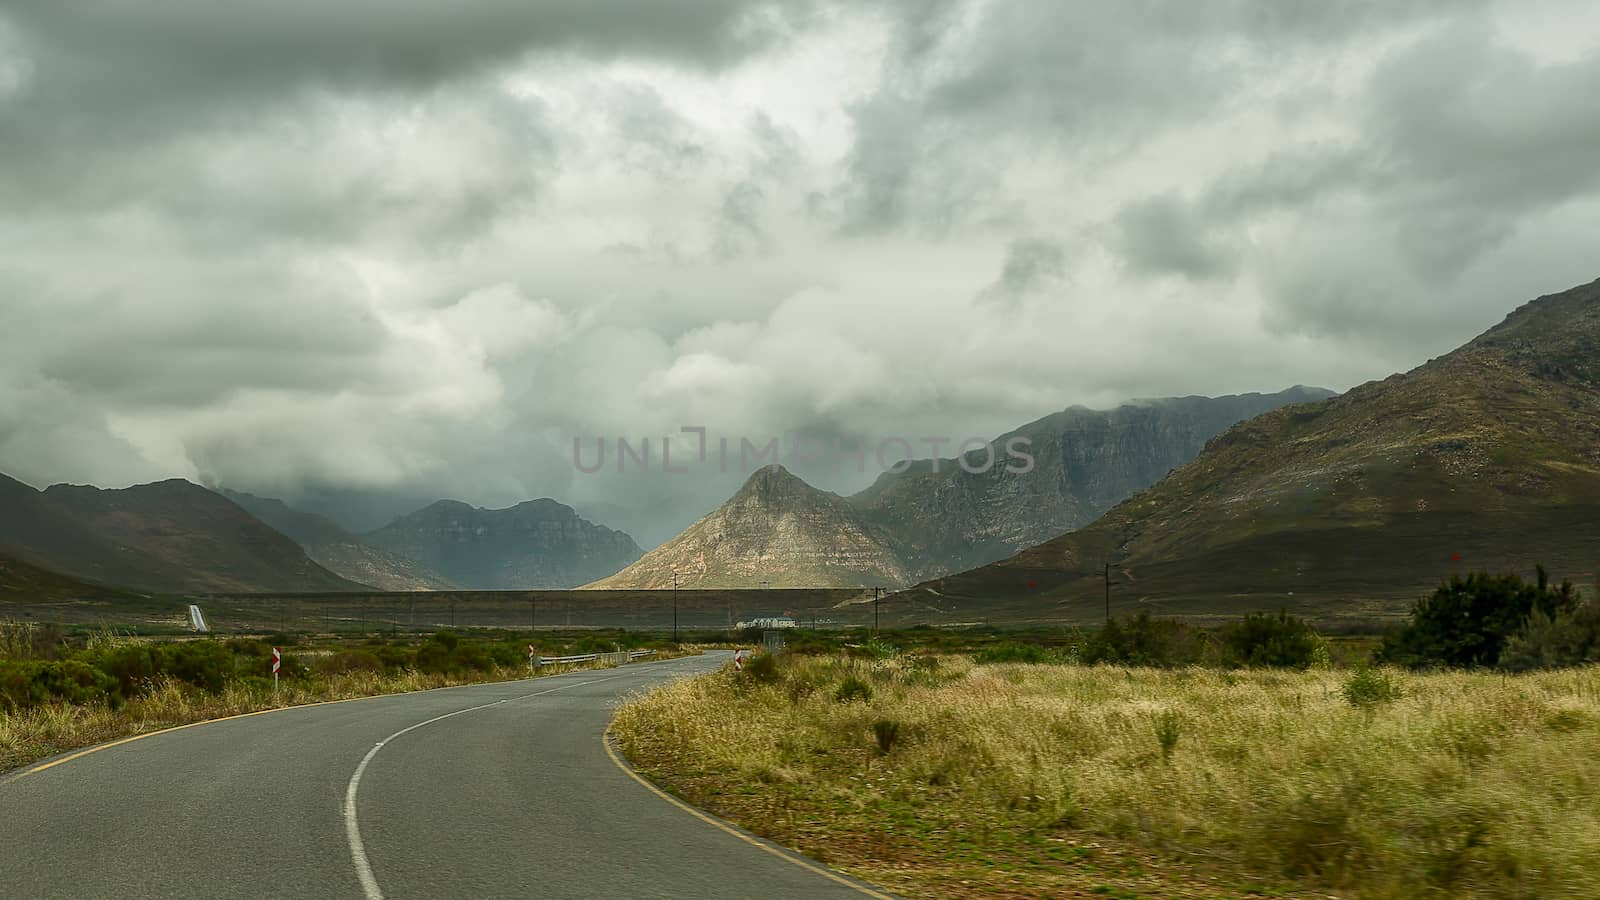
(58, 692)
(1155, 759)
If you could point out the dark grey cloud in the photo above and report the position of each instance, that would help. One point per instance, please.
(1094, 77)
(408, 41)
(1165, 236)
(365, 255)
(1031, 264)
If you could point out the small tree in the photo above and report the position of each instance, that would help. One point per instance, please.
(1466, 622)
(1261, 640)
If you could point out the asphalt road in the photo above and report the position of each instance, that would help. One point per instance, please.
(496, 790)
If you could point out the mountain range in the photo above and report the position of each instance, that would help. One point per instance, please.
(537, 544)
(338, 550)
(1486, 457)
(169, 536)
(939, 516)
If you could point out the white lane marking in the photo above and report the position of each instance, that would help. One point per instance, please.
(352, 830)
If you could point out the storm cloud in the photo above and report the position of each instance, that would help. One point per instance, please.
(367, 254)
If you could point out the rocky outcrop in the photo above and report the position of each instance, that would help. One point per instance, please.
(777, 531)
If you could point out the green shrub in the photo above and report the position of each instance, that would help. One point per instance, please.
(396, 657)
(1367, 688)
(1168, 725)
(205, 664)
(347, 661)
(131, 666)
(27, 683)
(1143, 641)
(853, 688)
(878, 648)
(473, 657)
(762, 668)
(1569, 638)
(1267, 641)
(446, 653)
(1466, 622)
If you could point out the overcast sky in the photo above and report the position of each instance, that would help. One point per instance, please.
(370, 253)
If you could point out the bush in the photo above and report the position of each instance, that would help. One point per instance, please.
(447, 654)
(1371, 687)
(853, 688)
(396, 657)
(347, 661)
(886, 731)
(26, 683)
(762, 668)
(131, 666)
(1142, 641)
(205, 664)
(1266, 641)
(1169, 725)
(1466, 622)
(1569, 638)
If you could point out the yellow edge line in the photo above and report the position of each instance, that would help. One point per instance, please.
(719, 824)
(259, 712)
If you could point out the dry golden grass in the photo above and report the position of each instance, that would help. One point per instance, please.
(1017, 780)
(32, 734)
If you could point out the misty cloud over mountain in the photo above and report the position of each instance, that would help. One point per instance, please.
(364, 256)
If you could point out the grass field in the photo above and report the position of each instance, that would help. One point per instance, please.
(60, 694)
(935, 777)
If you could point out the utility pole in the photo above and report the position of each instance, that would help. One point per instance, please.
(876, 594)
(1108, 593)
(674, 607)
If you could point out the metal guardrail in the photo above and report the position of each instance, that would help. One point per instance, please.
(618, 658)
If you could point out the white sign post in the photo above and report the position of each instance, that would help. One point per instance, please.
(533, 655)
(277, 663)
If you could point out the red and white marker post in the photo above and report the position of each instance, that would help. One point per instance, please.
(738, 660)
(533, 655)
(277, 663)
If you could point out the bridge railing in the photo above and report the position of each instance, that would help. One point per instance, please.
(616, 659)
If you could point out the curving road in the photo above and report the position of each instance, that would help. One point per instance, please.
(495, 790)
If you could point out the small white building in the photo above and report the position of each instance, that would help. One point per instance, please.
(769, 622)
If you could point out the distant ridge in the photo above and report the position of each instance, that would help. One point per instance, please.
(170, 536)
(1085, 461)
(536, 544)
(339, 551)
(1486, 457)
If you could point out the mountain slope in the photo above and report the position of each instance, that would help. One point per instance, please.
(340, 551)
(1486, 457)
(776, 530)
(537, 544)
(945, 518)
(167, 536)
